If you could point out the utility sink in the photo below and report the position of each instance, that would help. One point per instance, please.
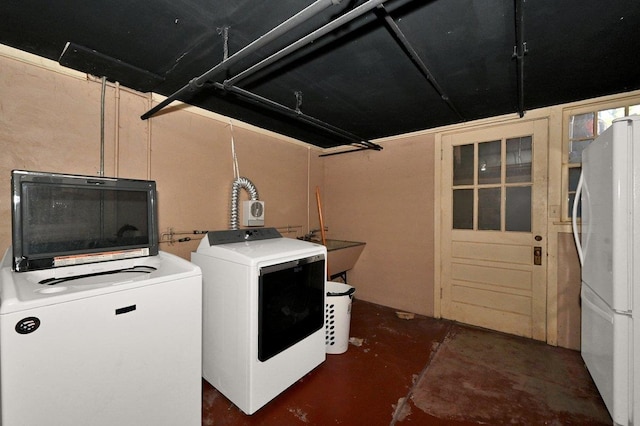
(341, 255)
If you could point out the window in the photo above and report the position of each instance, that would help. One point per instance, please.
(492, 183)
(583, 127)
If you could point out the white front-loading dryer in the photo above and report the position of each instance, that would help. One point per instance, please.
(263, 312)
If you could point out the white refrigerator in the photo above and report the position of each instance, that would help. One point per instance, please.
(609, 251)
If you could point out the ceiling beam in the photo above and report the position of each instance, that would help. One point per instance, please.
(399, 36)
(297, 115)
(308, 39)
(198, 82)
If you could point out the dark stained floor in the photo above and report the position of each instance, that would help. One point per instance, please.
(424, 371)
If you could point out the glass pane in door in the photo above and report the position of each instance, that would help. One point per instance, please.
(463, 165)
(463, 209)
(489, 209)
(519, 159)
(489, 162)
(518, 209)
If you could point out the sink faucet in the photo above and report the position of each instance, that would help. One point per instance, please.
(312, 234)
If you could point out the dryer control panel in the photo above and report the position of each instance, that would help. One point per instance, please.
(241, 235)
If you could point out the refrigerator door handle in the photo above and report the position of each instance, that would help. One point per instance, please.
(574, 219)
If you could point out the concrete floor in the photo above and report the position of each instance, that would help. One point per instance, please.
(429, 372)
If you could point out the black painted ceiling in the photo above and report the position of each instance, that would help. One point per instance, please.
(472, 58)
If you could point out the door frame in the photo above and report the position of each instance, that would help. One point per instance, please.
(541, 123)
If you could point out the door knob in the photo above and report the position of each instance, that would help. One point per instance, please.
(537, 255)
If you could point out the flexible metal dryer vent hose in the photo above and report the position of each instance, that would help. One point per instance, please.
(240, 182)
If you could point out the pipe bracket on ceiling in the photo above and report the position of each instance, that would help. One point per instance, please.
(298, 94)
(194, 85)
(224, 32)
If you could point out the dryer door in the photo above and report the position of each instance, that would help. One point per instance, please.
(290, 304)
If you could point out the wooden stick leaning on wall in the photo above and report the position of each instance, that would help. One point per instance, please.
(322, 234)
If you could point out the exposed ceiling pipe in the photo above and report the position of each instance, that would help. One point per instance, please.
(519, 50)
(298, 115)
(382, 13)
(102, 94)
(198, 82)
(309, 38)
(329, 154)
(230, 83)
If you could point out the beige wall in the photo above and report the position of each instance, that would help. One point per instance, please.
(385, 199)
(568, 293)
(50, 121)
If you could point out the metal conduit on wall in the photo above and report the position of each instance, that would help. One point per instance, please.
(239, 183)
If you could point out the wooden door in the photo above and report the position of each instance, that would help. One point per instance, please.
(493, 228)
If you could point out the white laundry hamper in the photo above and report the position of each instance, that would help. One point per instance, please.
(338, 316)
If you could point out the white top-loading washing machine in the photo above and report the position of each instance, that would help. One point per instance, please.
(111, 343)
(263, 312)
